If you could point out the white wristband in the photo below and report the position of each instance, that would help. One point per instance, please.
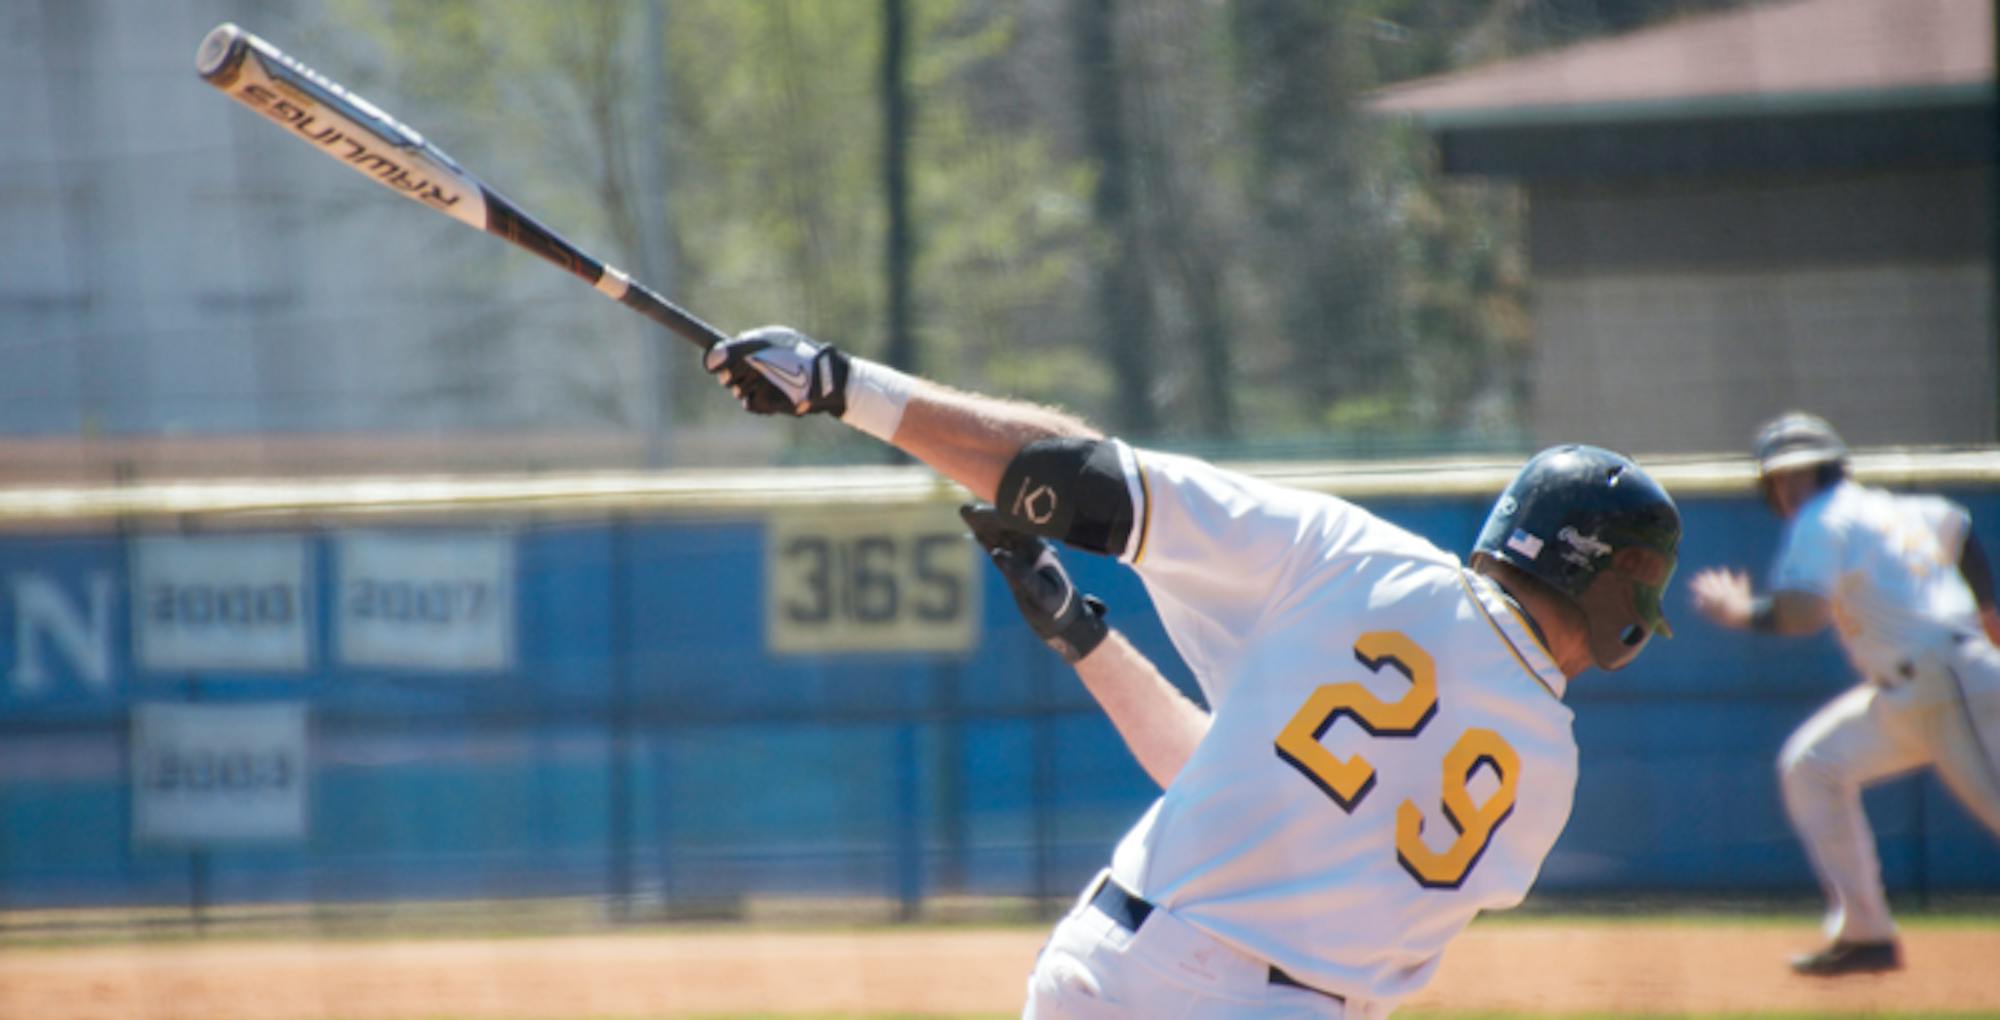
(876, 394)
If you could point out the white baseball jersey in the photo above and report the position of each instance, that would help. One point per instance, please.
(1389, 752)
(1888, 563)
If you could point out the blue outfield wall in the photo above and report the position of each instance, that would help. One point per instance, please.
(619, 724)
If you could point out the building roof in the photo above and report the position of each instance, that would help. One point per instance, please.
(1773, 58)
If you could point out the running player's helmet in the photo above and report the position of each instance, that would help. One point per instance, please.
(1796, 440)
(1594, 526)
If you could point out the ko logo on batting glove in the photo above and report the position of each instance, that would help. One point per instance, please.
(779, 370)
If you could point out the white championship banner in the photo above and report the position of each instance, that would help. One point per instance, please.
(437, 600)
(222, 602)
(218, 773)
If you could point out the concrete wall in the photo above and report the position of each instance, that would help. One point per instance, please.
(1677, 316)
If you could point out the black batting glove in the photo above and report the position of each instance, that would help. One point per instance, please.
(779, 370)
(1071, 623)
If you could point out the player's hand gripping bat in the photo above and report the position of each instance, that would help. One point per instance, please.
(345, 127)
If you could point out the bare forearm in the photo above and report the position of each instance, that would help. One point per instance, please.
(1158, 723)
(970, 438)
(1793, 614)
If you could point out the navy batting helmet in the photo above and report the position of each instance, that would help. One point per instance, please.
(1594, 526)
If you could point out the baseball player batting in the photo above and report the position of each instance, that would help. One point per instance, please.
(1385, 750)
(1905, 584)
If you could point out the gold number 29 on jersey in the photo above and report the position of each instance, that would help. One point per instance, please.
(1349, 780)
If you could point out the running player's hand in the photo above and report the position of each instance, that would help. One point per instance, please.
(1071, 623)
(779, 370)
(1723, 596)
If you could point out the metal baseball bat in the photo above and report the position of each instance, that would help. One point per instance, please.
(347, 128)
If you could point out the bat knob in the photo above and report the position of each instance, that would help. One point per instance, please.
(221, 49)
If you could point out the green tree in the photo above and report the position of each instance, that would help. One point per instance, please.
(1173, 217)
(1126, 320)
(779, 208)
(1309, 166)
(538, 98)
(793, 210)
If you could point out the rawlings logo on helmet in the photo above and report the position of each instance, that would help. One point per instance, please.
(1583, 549)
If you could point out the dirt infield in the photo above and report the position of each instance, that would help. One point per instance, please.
(1541, 967)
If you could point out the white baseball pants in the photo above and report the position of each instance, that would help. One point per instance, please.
(1946, 714)
(1093, 968)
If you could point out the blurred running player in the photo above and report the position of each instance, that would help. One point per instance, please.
(1905, 584)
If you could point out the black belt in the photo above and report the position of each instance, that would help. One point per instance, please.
(1906, 669)
(1130, 911)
